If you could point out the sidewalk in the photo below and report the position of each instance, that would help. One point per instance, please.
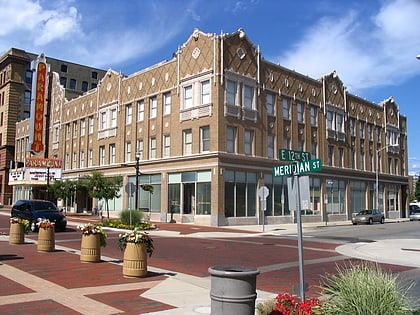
(163, 293)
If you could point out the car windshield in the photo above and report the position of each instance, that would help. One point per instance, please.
(44, 206)
(364, 212)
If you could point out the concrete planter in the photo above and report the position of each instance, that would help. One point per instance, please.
(90, 248)
(16, 233)
(135, 260)
(46, 239)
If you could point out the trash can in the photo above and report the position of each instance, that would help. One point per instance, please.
(233, 290)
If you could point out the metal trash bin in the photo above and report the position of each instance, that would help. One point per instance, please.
(233, 290)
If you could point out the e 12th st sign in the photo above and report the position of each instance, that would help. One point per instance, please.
(297, 168)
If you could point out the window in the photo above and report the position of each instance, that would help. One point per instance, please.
(167, 103)
(127, 155)
(91, 122)
(286, 108)
(270, 146)
(314, 150)
(63, 68)
(63, 81)
(67, 131)
(85, 86)
(287, 142)
(112, 158)
(140, 110)
(188, 97)
(269, 102)
(378, 134)
(351, 127)
(75, 133)
(248, 97)
(231, 91)
(340, 157)
(205, 92)
(362, 129)
(56, 134)
(205, 139)
(94, 75)
(187, 149)
(152, 148)
(330, 120)
(93, 85)
(82, 127)
(249, 142)
(370, 132)
(72, 84)
(28, 77)
(314, 115)
(153, 107)
(330, 155)
(74, 161)
(362, 161)
(339, 122)
(166, 146)
(113, 117)
(140, 149)
(128, 114)
(90, 158)
(300, 112)
(335, 121)
(26, 98)
(102, 120)
(301, 145)
(231, 140)
(101, 155)
(82, 159)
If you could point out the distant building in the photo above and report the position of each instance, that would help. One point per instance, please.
(15, 99)
(207, 127)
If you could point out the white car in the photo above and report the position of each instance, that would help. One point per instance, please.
(414, 212)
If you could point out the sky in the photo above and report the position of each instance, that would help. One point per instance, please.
(371, 44)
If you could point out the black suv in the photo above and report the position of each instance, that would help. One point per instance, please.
(34, 210)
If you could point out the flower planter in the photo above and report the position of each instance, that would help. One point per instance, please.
(90, 250)
(16, 233)
(135, 260)
(46, 239)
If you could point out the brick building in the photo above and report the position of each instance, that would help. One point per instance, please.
(207, 126)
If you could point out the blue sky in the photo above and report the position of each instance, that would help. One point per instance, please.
(371, 44)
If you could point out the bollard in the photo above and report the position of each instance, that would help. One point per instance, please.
(233, 290)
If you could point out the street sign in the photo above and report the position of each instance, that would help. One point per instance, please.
(263, 192)
(290, 155)
(297, 168)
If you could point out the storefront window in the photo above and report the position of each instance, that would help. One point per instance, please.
(240, 194)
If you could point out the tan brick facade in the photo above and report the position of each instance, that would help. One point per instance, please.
(208, 125)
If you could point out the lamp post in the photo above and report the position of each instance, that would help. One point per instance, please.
(137, 179)
(378, 151)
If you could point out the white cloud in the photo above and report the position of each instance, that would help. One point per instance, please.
(365, 53)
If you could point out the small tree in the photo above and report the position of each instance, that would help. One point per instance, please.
(417, 192)
(64, 189)
(101, 187)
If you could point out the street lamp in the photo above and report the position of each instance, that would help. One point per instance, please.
(137, 179)
(378, 151)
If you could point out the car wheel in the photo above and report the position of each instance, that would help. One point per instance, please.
(370, 221)
(354, 223)
(33, 226)
(382, 220)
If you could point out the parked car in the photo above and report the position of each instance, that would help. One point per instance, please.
(368, 216)
(414, 212)
(33, 210)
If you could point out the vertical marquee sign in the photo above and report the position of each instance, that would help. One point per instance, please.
(39, 87)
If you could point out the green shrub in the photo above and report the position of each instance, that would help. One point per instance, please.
(137, 217)
(364, 289)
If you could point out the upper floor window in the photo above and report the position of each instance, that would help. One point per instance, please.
(167, 103)
(205, 139)
(271, 146)
(94, 75)
(314, 115)
(102, 155)
(127, 155)
(188, 97)
(231, 140)
(140, 149)
(351, 127)
(187, 148)
(362, 129)
(63, 68)
(249, 142)
(112, 154)
(85, 86)
(231, 91)
(28, 77)
(91, 124)
(82, 127)
(205, 92)
(152, 148)
(72, 84)
(153, 107)
(335, 121)
(248, 97)
(300, 112)
(75, 134)
(82, 159)
(286, 108)
(63, 81)
(166, 146)
(269, 102)
(128, 114)
(113, 113)
(27, 98)
(90, 158)
(378, 134)
(140, 110)
(330, 155)
(370, 132)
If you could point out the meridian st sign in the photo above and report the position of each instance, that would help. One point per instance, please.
(297, 168)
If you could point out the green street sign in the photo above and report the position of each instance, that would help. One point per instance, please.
(297, 168)
(290, 155)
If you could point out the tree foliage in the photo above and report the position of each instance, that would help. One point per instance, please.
(417, 193)
(64, 189)
(101, 187)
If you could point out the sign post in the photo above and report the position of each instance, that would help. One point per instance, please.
(263, 193)
(302, 165)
